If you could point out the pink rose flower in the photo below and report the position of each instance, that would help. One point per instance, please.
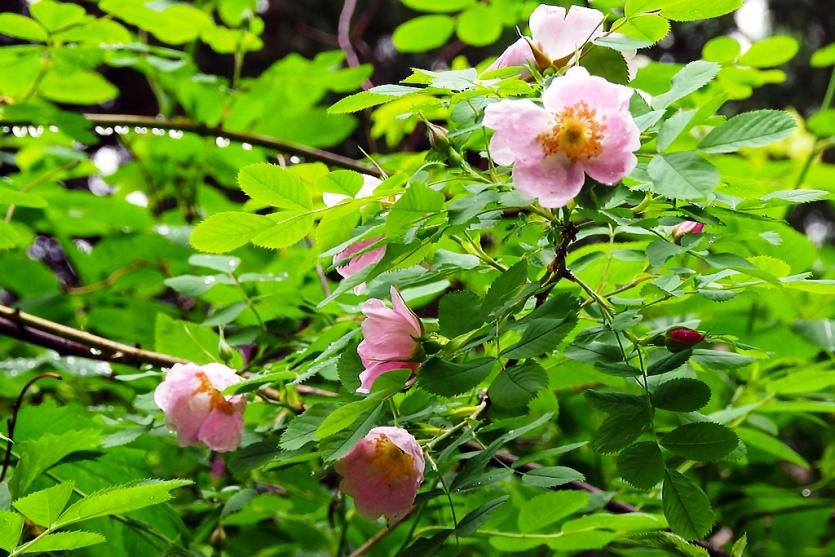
(383, 473)
(369, 184)
(584, 128)
(194, 407)
(686, 227)
(556, 35)
(389, 339)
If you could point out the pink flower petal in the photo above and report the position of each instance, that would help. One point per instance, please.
(357, 264)
(517, 125)
(554, 182)
(222, 431)
(517, 54)
(578, 86)
(559, 34)
(374, 370)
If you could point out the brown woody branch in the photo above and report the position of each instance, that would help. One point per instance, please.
(288, 147)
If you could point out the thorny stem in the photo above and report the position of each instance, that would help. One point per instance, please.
(13, 420)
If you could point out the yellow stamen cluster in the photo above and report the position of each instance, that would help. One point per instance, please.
(216, 398)
(391, 461)
(576, 133)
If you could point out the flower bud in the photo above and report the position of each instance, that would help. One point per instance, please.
(383, 472)
(686, 227)
(682, 338)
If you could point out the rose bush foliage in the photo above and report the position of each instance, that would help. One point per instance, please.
(575, 319)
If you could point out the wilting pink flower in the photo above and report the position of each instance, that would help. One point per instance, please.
(686, 227)
(196, 409)
(682, 338)
(556, 35)
(369, 184)
(383, 473)
(584, 127)
(390, 339)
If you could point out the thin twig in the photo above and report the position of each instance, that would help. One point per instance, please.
(13, 420)
(303, 151)
(344, 37)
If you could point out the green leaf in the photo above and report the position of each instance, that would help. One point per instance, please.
(336, 446)
(606, 63)
(701, 441)
(120, 500)
(771, 445)
(56, 15)
(438, 6)
(344, 416)
(349, 368)
(552, 476)
(541, 336)
(641, 465)
(458, 313)
(479, 25)
(717, 360)
(805, 381)
(44, 506)
(11, 526)
(64, 541)
(690, 78)
(223, 232)
(336, 226)
(820, 332)
(823, 56)
(220, 263)
(475, 519)
(681, 395)
(738, 549)
(40, 454)
(288, 228)
(646, 27)
(21, 27)
(272, 185)
(517, 385)
(722, 50)
(506, 288)
(78, 86)
(423, 33)
(683, 175)
(418, 200)
(449, 378)
(629, 415)
(669, 361)
(672, 127)
(189, 341)
(469, 473)
(683, 10)
(548, 508)
(751, 129)
(359, 101)
(769, 52)
(302, 429)
(686, 507)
